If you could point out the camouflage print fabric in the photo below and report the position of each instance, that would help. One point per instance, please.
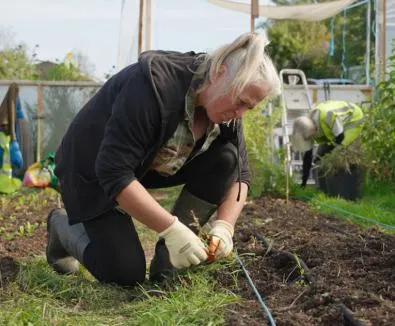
(171, 157)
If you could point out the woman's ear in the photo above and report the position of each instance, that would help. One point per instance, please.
(221, 72)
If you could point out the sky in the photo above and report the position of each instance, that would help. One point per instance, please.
(92, 27)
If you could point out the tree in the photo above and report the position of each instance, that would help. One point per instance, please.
(83, 64)
(298, 44)
(305, 45)
(72, 68)
(15, 62)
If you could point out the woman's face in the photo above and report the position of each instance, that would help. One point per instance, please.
(225, 107)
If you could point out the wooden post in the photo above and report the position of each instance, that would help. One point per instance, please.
(140, 34)
(384, 41)
(148, 23)
(380, 56)
(254, 13)
(39, 124)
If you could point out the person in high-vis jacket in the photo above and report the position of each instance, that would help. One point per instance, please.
(329, 124)
(170, 119)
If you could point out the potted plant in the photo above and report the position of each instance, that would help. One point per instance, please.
(340, 173)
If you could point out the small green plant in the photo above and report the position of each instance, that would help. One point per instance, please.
(379, 132)
(266, 170)
(301, 281)
(8, 236)
(343, 158)
(27, 229)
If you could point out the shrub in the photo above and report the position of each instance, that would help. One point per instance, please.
(267, 173)
(343, 158)
(379, 131)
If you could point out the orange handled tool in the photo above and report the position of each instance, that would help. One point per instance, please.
(212, 248)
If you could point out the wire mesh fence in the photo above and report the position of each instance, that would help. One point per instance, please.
(49, 107)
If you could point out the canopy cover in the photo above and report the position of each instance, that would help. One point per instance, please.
(311, 12)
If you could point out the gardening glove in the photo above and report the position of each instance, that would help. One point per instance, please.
(185, 248)
(222, 231)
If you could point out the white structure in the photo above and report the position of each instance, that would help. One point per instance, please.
(297, 99)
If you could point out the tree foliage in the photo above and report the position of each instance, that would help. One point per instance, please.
(305, 45)
(65, 71)
(298, 44)
(379, 130)
(16, 64)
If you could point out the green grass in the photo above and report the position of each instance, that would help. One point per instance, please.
(376, 205)
(42, 297)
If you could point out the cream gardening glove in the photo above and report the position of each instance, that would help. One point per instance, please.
(185, 248)
(224, 232)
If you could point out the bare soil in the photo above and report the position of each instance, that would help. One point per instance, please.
(22, 230)
(310, 269)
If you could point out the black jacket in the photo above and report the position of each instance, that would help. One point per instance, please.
(115, 136)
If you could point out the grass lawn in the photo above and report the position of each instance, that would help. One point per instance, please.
(377, 205)
(41, 297)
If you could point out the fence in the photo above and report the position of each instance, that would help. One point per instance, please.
(49, 107)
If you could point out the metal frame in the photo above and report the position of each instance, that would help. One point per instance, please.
(298, 76)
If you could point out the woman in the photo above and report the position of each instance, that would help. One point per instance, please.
(170, 119)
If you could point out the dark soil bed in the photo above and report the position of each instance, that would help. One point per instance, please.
(311, 269)
(22, 229)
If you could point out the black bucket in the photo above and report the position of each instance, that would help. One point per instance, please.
(344, 184)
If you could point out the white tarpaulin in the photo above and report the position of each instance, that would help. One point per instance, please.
(312, 12)
(128, 33)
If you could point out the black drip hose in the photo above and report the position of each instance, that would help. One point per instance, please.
(348, 317)
(306, 270)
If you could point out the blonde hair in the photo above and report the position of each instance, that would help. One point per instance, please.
(246, 63)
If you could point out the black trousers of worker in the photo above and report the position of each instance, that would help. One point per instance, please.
(115, 254)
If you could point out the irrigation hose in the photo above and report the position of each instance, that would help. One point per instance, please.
(257, 294)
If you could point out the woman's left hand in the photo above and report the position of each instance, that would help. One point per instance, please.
(222, 231)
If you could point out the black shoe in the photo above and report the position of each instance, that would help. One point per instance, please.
(57, 256)
(161, 269)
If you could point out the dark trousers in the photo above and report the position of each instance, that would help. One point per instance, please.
(115, 253)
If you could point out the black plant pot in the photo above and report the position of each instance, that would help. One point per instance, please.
(344, 184)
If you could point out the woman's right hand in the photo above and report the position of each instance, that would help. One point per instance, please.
(185, 248)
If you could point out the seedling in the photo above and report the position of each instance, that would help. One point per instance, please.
(27, 229)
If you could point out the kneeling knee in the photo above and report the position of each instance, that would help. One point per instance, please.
(228, 157)
(122, 271)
